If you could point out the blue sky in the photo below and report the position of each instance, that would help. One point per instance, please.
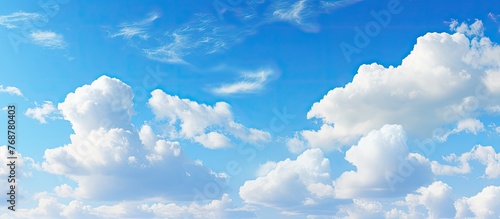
(253, 109)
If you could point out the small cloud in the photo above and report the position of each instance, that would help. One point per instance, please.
(493, 17)
(48, 39)
(475, 29)
(41, 113)
(11, 90)
(250, 83)
(139, 28)
(129, 32)
(468, 125)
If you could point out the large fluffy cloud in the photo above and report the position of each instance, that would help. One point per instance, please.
(384, 166)
(110, 159)
(483, 205)
(447, 80)
(204, 124)
(292, 184)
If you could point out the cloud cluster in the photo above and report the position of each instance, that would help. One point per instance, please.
(482, 205)
(486, 155)
(50, 207)
(289, 184)
(384, 166)
(438, 201)
(110, 159)
(446, 80)
(201, 123)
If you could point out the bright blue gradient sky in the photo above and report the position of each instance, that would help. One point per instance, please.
(253, 109)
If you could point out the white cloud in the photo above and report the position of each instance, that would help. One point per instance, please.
(439, 87)
(202, 35)
(293, 185)
(363, 209)
(468, 125)
(41, 113)
(483, 205)
(140, 28)
(198, 122)
(486, 155)
(384, 166)
(129, 32)
(292, 11)
(437, 198)
(251, 82)
(11, 90)
(206, 34)
(50, 207)
(106, 147)
(213, 140)
(476, 29)
(20, 19)
(215, 209)
(48, 39)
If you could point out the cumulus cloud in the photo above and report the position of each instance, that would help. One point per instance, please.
(50, 207)
(482, 205)
(362, 209)
(384, 166)
(204, 124)
(110, 159)
(292, 185)
(41, 113)
(439, 87)
(251, 82)
(437, 199)
(11, 90)
(486, 155)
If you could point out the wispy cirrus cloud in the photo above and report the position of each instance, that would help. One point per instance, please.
(20, 19)
(202, 35)
(206, 33)
(250, 82)
(27, 22)
(138, 28)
